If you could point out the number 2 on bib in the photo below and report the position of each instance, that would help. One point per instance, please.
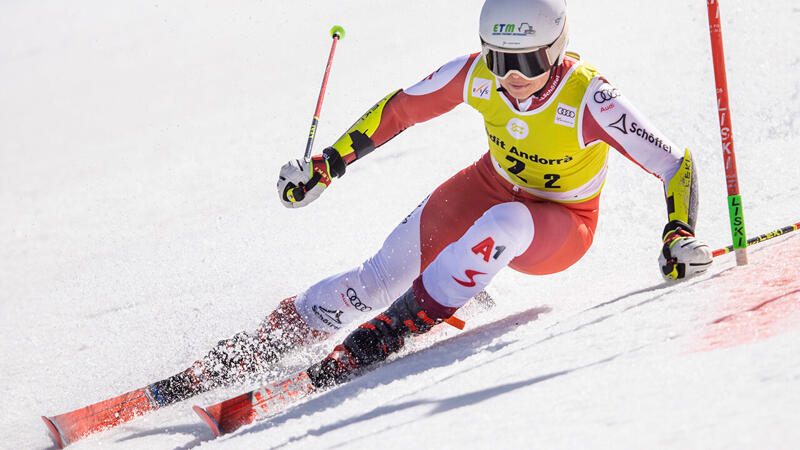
(519, 166)
(551, 180)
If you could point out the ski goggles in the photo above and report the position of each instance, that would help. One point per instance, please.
(529, 63)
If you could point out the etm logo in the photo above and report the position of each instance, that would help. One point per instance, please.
(504, 27)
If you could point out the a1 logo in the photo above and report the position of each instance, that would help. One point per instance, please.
(485, 248)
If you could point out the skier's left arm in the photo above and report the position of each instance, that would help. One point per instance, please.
(611, 118)
(435, 95)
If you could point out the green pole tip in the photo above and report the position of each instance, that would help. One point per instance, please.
(337, 31)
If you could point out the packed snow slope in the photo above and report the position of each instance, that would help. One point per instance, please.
(140, 144)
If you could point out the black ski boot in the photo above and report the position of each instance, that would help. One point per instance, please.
(373, 341)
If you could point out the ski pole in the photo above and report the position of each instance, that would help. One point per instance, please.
(726, 133)
(337, 33)
(762, 238)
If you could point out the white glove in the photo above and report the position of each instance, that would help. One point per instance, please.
(301, 182)
(682, 255)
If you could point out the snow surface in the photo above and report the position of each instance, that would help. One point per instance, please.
(139, 148)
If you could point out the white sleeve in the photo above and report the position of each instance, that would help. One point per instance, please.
(611, 118)
(439, 79)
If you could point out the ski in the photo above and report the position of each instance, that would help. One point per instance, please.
(267, 401)
(74, 425)
(274, 398)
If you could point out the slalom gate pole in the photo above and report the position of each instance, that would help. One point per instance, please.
(762, 238)
(726, 133)
(337, 33)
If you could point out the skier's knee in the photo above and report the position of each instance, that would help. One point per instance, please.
(510, 224)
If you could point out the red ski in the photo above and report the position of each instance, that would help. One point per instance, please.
(266, 401)
(270, 400)
(222, 418)
(69, 427)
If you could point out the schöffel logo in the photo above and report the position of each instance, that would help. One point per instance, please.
(565, 115)
(649, 137)
(620, 124)
(328, 317)
(635, 129)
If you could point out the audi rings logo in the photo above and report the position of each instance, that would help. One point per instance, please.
(606, 94)
(352, 296)
(566, 113)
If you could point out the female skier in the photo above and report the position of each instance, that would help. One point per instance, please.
(529, 203)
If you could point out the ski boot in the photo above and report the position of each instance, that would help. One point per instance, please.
(373, 341)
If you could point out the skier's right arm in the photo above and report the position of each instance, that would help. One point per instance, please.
(435, 95)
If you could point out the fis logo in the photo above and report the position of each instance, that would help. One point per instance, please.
(481, 88)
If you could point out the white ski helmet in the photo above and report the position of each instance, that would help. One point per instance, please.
(526, 36)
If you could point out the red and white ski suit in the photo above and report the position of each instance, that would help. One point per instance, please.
(530, 203)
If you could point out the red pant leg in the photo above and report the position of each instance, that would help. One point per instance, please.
(455, 205)
(563, 231)
(563, 234)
